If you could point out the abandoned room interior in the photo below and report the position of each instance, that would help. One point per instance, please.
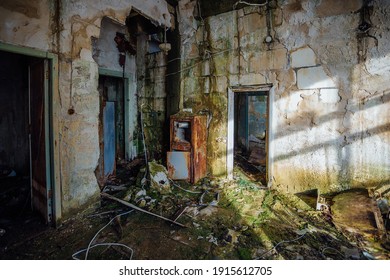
(195, 129)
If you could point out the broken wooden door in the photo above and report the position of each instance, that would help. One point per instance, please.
(39, 124)
(109, 138)
(112, 126)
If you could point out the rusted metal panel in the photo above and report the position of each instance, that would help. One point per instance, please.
(189, 133)
(199, 143)
(180, 146)
(179, 167)
(180, 134)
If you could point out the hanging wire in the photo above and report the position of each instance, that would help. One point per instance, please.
(103, 244)
(249, 4)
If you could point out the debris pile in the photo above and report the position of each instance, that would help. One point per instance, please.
(214, 219)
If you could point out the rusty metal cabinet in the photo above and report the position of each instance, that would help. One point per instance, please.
(188, 147)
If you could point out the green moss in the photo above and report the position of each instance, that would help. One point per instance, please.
(244, 253)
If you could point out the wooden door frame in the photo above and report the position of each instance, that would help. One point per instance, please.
(52, 137)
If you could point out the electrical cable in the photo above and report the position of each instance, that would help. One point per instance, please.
(249, 4)
(281, 242)
(330, 248)
(177, 186)
(90, 243)
(104, 244)
(143, 141)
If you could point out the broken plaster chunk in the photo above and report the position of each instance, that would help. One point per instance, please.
(196, 225)
(141, 193)
(208, 211)
(329, 95)
(210, 238)
(159, 178)
(303, 57)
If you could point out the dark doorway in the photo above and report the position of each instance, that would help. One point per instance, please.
(250, 133)
(25, 202)
(112, 127)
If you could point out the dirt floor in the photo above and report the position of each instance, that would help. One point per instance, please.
(220, 219)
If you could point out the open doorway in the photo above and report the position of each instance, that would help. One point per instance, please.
(248, 132)
(25, 170)
(112, 129)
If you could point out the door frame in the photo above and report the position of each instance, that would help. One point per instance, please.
(232, 91)
(51, 110)
(126, 100)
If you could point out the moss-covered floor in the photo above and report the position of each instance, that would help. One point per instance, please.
(224, 220)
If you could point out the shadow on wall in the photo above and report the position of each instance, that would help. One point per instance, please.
(358, 139)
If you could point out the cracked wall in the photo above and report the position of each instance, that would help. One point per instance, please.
(66, 28)
(330, 122)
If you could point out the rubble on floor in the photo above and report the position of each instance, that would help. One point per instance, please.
(214, 219)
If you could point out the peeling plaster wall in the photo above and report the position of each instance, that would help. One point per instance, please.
(105, 53)
(330, 120)
(65, 28)
(82, 20)
(27, 23)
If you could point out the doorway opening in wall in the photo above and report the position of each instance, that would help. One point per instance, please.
(25, 163)
(250, 133)
(113, 130)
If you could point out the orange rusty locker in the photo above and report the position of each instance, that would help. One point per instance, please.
(188, 147)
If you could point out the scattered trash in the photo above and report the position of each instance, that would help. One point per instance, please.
(196, 225)
(281, 242)
(114, 188)
(322, 204)
(368, 256)
(2, 232)
(90, 246)
(179, 213)
(139, 209)
(232, 236)
(140, 193)
(353, 253)
(214, 202)
(383, 206)
(211, 239)
(144, 182)
(192, 211)
(142, 203)
(208, 211)
(301, 231)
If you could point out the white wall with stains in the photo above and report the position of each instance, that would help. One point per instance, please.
(65, 28)
(330, 120)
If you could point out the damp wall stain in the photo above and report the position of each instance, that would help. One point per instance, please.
(329, 118)
(67, 29)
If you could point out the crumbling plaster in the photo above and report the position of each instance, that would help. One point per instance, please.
(329, 122)
(65, 28)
